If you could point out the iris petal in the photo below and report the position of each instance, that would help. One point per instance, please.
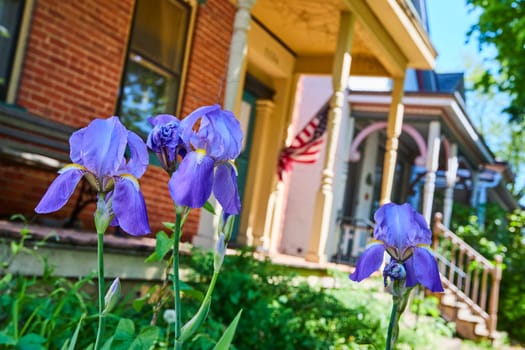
(59, 191)
(423, 235)
(411, 279)
(187, 123)
(399, 220)
(225, 189)
(139, 159)
(103, 146)
(227, 135)
(162, 119)
(165, 135)
(426, 269)
(75, 146)
(129, 208)
(369, 262)
(192, 183)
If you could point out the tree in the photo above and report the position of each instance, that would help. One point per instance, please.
(502, 25)
(499, 81)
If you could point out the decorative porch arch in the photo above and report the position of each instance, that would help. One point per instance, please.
(410, 130)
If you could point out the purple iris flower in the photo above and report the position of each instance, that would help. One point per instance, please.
(97, 152)
(213, 139)
(165, 140)
(405, 236)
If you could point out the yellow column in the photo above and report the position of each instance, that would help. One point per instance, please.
(323, 203)
(254, 203)
(395, 122)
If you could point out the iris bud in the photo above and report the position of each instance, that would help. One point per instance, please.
(112, 296)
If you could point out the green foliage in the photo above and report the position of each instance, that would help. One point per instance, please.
(490, 241)
(512, 303)
(506, 237)
(280, 311)
(501, 25)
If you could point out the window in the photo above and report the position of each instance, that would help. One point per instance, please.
(11, 12)
(152, 76)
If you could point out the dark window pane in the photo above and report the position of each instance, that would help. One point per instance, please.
(151, 80)
(146, 92)
(10, 18)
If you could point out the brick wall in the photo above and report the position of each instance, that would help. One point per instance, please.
(74, 59)
(72, 72)
(205, 83)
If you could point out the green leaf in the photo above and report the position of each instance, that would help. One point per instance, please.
(152, 257)
(14, 248)
(20, 217)
(74, 338)
(227, 336)
(146, 339)
(163, 245)
(169, 225)
(189, 329)
(31, 341)
(139, 303)
(107, 345)
(209, 208)
(125, 329)
(6, 339)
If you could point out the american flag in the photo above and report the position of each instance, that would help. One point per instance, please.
(306, 145)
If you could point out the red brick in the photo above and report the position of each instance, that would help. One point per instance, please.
(72, 72)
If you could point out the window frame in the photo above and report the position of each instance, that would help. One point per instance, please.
(192, 4)
(19, 53)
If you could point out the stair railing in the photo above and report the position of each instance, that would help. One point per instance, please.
(469, 275)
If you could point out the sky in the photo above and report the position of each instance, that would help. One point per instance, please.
(449, 21)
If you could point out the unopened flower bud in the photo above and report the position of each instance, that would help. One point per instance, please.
(103, 214)
(112, 296)
(227, 226)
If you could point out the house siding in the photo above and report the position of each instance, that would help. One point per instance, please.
(71, 74)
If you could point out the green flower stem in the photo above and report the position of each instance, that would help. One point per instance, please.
(211, 287)
(400, 295)
(393, 327)
(176, 281)
(103, 217)
(101, 316)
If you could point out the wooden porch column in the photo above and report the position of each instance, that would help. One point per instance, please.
(452, 169)
(238, 51)
(256, 237)
(434, 143)
(324, 200)
(393, 130)
(208, 224)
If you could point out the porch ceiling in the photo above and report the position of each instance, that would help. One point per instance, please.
(380, 47)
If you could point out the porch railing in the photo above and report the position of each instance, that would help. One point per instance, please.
(473, 279)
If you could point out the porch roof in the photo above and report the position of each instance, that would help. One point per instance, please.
(388, 34)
